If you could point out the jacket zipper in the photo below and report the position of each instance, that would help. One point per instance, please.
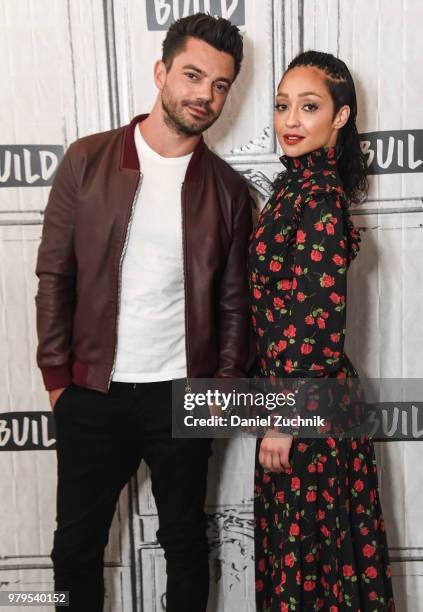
(125, 244)
(187, 382)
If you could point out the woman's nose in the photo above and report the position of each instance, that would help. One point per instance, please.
(292, 119)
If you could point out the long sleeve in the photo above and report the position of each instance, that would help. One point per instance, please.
(317, 308)
(234, 313)
(56, 270)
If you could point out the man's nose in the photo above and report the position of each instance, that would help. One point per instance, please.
(205, 91)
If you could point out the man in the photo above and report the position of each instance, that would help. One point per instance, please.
(142, 279)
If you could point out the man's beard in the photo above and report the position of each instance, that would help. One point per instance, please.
(175, 118)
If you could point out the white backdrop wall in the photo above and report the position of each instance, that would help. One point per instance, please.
(73, 67)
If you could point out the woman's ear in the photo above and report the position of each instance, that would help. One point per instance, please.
(160, 74)
(341, 117)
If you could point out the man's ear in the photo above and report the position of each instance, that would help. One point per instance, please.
(341, 117)
(160, 73)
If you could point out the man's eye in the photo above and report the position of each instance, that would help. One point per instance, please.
(191, 75)
(221, 87)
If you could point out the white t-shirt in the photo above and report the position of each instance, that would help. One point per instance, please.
(151, 324)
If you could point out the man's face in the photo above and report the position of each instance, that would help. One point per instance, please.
(195, 88)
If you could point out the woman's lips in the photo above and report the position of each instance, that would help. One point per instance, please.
(291, 139)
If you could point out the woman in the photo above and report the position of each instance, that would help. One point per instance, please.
(320, 539)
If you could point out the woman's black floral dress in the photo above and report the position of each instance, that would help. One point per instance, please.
(320, 541)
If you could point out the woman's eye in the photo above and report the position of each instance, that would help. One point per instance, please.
(280, 107)
(310, 107)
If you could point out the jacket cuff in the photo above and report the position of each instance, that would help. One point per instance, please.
(56, 377)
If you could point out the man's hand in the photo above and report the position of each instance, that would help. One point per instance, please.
(274, 451)
(54, 395)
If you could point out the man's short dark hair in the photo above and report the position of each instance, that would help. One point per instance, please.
(215, 31)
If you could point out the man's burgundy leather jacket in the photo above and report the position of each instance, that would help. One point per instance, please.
(86, 227)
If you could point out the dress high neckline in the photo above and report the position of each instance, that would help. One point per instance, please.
(325, 157)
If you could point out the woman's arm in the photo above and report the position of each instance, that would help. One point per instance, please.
(315, 337)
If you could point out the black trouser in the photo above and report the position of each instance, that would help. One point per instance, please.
(101, 439)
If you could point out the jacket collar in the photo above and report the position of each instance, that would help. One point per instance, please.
(129, 157)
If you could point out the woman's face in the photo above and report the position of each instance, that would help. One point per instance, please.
(304, 112)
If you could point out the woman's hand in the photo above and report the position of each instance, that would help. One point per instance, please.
(274, 451)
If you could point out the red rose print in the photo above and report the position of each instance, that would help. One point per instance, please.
(319, 226)
(358, 485)
(278, 303)
(311, 496)
(316, 255)
(290, 559)
(261, 565)
(294, 529)
(285, 284)
(279, 238)
(301, 236)
(369, 550)
(257, 294)
(335, 337)
(261, 248)
(306, 173)
(290, 331)
(325, 531)
(327, 496)
(289, 366)
(269, 315)
(295, 483)
(327, 281)
(280, 496)
(309, 320)
(300, 296)
(330, 229)
(281, 346)
(338, 260)
(321, 323)
(371, 572)
(347, 570)
(373, 596)
(259, 585)
(306, 349)
(275, 266)
(309, 585)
